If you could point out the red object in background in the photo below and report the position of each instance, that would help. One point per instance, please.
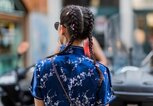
(86, 47)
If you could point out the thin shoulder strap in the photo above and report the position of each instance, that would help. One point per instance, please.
(58, 77)
(67, 96)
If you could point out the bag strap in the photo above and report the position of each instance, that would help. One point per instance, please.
(67, 96)
(58, 77)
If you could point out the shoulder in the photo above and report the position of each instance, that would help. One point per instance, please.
(43, 65)
(101, 66)
(105, 70)
(47, 63)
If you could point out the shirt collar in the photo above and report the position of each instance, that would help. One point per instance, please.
(73, 50)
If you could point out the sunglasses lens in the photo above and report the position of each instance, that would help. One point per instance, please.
(56, 25)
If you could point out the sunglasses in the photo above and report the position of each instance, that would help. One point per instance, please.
(56, 25)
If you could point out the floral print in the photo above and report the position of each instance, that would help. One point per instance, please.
(78, 75)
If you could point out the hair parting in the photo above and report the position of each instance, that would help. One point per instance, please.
(82, 20)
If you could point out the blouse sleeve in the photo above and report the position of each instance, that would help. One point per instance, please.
(109, 90)
(107, 93)
(36, 89)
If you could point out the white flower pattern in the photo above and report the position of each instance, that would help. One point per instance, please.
(79, 78)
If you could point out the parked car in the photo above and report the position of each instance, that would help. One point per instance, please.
(133, 86)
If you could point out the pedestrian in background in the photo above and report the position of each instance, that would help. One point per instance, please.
(98, 52)
(69, 78)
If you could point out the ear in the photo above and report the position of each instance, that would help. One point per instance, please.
(62, 33)
(63, 30)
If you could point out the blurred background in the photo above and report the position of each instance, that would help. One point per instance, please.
(120, 26)
(124, 29)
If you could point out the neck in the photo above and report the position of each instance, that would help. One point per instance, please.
(78, 43)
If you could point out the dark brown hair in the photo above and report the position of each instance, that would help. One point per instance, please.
(80, 22)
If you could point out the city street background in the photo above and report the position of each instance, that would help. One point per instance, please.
(123, 28)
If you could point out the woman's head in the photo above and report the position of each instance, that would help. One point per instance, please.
(76, 24)
(78, 21)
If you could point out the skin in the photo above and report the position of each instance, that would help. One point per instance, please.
(98, 52)
(23, 47)
(39, 102)
(62, 31)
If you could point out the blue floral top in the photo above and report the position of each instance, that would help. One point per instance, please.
(79, 78)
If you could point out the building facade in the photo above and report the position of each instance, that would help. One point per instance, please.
(12, 33)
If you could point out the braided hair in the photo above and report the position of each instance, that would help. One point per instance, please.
(79, 22)
(71, 17)
(90, 20)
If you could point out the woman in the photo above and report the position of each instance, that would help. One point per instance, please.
(69, 78)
